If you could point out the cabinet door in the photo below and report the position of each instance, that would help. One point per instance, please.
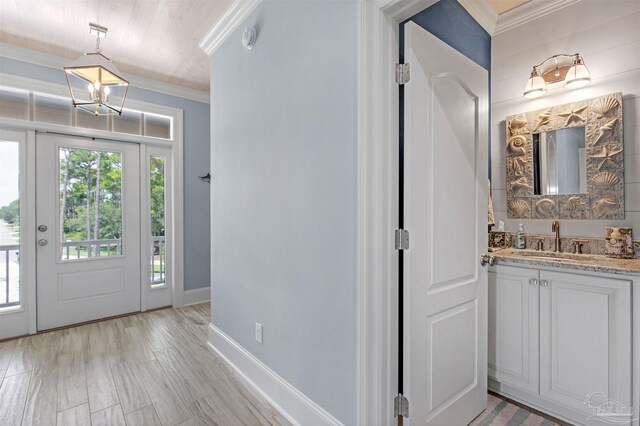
(585, 340)
(513, 327)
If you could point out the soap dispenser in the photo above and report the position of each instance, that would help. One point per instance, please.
(520, 239)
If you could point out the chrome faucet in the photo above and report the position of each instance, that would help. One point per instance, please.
(555, 227)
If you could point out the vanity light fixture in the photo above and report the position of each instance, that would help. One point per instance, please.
(569, 69)
(95, 83)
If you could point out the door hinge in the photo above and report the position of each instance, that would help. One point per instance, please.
(402, 239)
(402, 74)
(400, 406)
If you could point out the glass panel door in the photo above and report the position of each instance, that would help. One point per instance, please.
(9, 224)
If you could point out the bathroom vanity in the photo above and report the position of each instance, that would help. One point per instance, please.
(564, 332)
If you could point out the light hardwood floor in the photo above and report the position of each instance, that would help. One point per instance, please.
(152, 368)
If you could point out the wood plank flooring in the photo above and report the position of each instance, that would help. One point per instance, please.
(152, 368)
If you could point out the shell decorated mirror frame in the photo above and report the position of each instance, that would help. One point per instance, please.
(601, 194)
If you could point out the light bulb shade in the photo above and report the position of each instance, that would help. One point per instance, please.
(578, 75)
(96, 85)
(535, 87)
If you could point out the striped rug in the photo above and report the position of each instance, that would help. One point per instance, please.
(500, 412)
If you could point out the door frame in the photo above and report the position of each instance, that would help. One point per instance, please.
(30, 128)
(378, 200)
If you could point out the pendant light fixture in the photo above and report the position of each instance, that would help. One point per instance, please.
(95, 83)
(569, 69)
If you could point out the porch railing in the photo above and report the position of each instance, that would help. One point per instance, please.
(82, 249)
(10, 269)
(158, 261)
(10, 275)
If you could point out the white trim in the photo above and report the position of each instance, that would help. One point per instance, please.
(482, 12)
(197, 295)
(232, 18)
(528, 12)
(44, 59)
(289, 401)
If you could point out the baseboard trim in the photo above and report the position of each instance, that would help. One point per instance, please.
(289, 401)
(198, 295)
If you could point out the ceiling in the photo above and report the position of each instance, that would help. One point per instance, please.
(502, 6)
(157, 39)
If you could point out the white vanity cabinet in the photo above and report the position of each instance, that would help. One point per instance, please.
(556, 337)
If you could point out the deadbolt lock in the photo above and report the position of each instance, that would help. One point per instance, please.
(42, 228)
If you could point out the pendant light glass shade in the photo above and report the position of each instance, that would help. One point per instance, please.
(536, 85)
(95, 83)
(578, 75)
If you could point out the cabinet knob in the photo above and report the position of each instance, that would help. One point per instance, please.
(544, 283)
(533, 281)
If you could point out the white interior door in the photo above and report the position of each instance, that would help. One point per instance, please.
(445, 204)
(84, 271)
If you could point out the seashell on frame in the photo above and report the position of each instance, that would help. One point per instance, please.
(605, 206)
(519, 208)
(544, 118)
(605, 107)
(605, 181)
(606, 131)
(545, 207)
(517, 145)
(517, 124)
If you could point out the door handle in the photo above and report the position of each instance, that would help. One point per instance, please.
(486, 259)
(544, 283)
(42, 242)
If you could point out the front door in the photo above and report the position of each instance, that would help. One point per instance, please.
(445, 205)
(88, 237)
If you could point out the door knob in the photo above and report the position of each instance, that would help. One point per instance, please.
(486, 259)
(42, 242)
(42, 228)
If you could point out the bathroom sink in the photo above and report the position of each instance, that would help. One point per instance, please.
(554, 255)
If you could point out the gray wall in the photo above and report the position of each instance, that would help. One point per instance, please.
(284, 195)
(196, 162)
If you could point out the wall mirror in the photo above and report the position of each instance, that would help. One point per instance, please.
(566, 161)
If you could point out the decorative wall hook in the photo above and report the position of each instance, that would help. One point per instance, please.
(205, 178)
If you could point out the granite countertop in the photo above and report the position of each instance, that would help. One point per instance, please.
(577, 262)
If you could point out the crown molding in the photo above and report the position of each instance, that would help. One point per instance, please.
(528, 12)
(37, 57)
(232, 18)
(482, 12)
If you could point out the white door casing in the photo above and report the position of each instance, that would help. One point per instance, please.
(445, 299)
(74, 291)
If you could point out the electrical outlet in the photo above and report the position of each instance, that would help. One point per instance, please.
(259, 332)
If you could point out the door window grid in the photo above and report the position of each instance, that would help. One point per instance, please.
(40, 107)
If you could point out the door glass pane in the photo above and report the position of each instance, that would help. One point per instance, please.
(14, 103)
(91, 121)
(157, 211)
(50, 109)
(9, 224)
(128, 122)
(157, 126)
(90, 204)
